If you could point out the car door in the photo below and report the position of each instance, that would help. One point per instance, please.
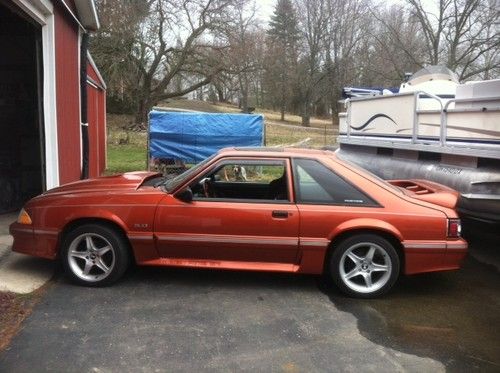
(239, 222)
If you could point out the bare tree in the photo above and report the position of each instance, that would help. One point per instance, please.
(243, 55)
(347, 38)
(395, 46)
(152, 50)
(313, 25)
(178, 40)
(171, 50)
(112, 48)
(459, 34)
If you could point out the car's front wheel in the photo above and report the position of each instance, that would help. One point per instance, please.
(94, 255)
(364, 266)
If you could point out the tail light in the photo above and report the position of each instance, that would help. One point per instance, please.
(454, 228)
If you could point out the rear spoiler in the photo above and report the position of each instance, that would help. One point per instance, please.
(428, 191)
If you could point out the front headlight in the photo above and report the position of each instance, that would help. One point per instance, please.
(24, 218)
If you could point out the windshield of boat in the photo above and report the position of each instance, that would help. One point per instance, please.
(171, 184)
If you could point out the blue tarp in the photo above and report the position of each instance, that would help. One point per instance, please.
(192, 137)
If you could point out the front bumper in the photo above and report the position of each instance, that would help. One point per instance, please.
(30, 241)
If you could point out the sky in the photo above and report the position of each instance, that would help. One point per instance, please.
(265, 8)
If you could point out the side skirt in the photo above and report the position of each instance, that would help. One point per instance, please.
(222, 264)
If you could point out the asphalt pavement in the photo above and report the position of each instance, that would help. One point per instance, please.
(165, 319)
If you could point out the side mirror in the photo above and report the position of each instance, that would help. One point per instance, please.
(185, 195)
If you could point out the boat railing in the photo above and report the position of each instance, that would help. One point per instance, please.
(444, 113)
(414, 137)
(442, 132)
(443, 110)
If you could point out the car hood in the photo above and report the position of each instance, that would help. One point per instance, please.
(126, 181)
(428, 191)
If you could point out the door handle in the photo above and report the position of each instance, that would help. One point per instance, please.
(280, 214)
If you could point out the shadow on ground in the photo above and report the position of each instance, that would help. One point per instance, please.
(450, 317)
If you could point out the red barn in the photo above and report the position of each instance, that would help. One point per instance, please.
(52, 112)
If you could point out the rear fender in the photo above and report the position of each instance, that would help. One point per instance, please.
(368, 224)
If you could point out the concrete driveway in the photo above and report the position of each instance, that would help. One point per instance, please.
(20, 273)
(161, 319)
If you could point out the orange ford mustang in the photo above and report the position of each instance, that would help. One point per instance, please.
(282, 210)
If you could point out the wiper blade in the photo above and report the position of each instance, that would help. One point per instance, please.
(161, 182)
(165, 180)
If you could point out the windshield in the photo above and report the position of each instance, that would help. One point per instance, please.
(173, 183)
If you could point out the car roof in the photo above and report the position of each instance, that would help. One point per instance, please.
(276, 152)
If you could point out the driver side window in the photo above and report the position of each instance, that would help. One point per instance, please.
(244, 180)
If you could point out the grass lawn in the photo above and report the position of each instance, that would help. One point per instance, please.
(127, 150)
(125, 158)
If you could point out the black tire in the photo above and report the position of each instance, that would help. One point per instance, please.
(352, 270)
(99, 250)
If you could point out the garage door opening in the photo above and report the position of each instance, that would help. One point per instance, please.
(22, 154)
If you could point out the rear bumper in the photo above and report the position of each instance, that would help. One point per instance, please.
(34, 242)
(433, 256)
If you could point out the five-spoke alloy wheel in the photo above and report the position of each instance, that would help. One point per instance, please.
(364, 266)
(94, 255)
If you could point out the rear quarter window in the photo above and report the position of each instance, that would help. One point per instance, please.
(317, 184)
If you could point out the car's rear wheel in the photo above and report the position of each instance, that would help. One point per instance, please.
(94, 255)
(364, 266)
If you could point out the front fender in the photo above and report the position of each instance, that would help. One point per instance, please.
(98, 214)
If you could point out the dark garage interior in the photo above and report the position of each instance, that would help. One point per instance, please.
(21, 117)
